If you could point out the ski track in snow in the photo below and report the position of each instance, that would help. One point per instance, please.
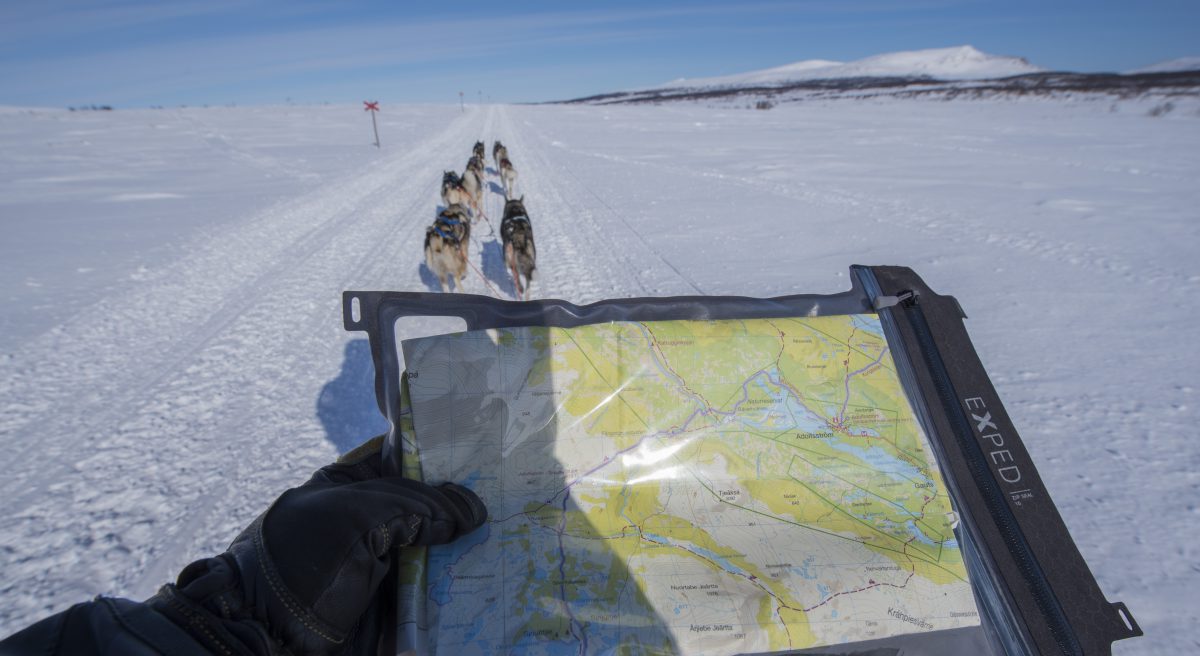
(147, 429)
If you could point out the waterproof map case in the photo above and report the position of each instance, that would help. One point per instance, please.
(721, 475)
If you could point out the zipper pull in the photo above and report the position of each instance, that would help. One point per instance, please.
(907, 297)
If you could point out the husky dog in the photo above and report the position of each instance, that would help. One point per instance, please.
(453, 192)
(446, 243)
(461, 214)
(476, 165)
(499, 152)
(516, 233)
(472, 183)
(478, 151)
(508, 176)
(450, 180)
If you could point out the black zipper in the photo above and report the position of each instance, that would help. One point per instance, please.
(993, 496)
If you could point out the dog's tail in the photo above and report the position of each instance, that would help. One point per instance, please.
(430, 248)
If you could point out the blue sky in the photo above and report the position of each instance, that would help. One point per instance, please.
(141, 53)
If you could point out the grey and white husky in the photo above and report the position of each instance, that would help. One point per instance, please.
(476, 164)
(520, 256)
(446, 245)
(453, 192)
(498, 152)
(472, 182)
(508, 177)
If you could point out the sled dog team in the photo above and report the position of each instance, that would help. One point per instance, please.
(448, 239)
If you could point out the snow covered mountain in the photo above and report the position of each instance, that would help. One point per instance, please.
(1170, 66)
(786, 73)
(958, 63)
(939, 73)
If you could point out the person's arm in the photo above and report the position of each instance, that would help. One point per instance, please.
(301, 579)
(104, 626)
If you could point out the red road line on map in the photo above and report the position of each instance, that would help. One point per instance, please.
(875, 585)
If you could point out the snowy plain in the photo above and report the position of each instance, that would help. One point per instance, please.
(172, 355)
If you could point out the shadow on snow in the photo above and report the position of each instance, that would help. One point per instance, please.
(492, 260)
(346, 405)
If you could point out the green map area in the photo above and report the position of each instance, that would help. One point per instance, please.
(699, 487)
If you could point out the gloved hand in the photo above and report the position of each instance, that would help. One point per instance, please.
(307, 568)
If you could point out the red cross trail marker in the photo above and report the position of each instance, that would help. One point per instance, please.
(373, 107)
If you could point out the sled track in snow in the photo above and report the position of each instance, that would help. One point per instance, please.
(577, 260)
(127, 498)
(377, 251)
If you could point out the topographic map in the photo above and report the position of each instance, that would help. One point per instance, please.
(681, 486)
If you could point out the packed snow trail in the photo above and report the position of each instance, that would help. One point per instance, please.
(577, 258)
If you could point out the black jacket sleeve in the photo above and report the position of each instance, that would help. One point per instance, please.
(192, 619)
(105, 626)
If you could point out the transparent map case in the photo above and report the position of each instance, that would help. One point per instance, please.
(722, 476)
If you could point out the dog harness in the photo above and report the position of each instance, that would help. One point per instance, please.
(448, 221)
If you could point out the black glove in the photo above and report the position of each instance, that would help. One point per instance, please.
(304, 572)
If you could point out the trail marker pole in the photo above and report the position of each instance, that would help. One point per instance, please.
(373, 107)
(462, 106)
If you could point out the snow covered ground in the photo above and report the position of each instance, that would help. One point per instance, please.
(171, 350)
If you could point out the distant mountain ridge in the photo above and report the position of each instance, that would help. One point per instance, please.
(944, 73)
(1170, 66)
(957, 63)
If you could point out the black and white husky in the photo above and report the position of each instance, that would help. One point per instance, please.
(478, 151)
(520, 256)
(446, 244)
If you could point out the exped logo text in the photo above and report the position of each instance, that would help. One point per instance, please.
(990, 434)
